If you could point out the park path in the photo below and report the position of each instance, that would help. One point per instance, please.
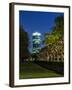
(33, 70)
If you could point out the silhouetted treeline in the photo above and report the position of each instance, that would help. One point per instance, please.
(24, 44)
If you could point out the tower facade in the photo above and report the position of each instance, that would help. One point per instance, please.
(36, 41)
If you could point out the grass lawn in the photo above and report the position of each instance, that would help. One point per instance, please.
(32, 70)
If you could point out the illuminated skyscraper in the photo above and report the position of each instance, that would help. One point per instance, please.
(36, 41)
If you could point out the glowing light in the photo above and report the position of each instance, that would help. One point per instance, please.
(36, 40)
(36, 33)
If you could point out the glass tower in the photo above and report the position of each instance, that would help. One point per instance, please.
(36, 41)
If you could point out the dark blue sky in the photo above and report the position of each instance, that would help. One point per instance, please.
(33, 21)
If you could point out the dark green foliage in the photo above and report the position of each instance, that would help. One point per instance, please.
(59, 26)
(24, 43)
(57, 31)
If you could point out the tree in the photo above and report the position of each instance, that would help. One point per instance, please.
(51, 39)
(24, 44)
(54, 41)
(58, 28)
(57, 31)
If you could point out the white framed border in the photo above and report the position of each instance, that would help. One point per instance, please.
(66, 78)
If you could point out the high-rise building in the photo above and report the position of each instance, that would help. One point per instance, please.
(36, 41)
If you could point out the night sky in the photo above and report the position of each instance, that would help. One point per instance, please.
(33, 21)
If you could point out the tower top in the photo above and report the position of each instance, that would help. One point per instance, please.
(36, 33)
